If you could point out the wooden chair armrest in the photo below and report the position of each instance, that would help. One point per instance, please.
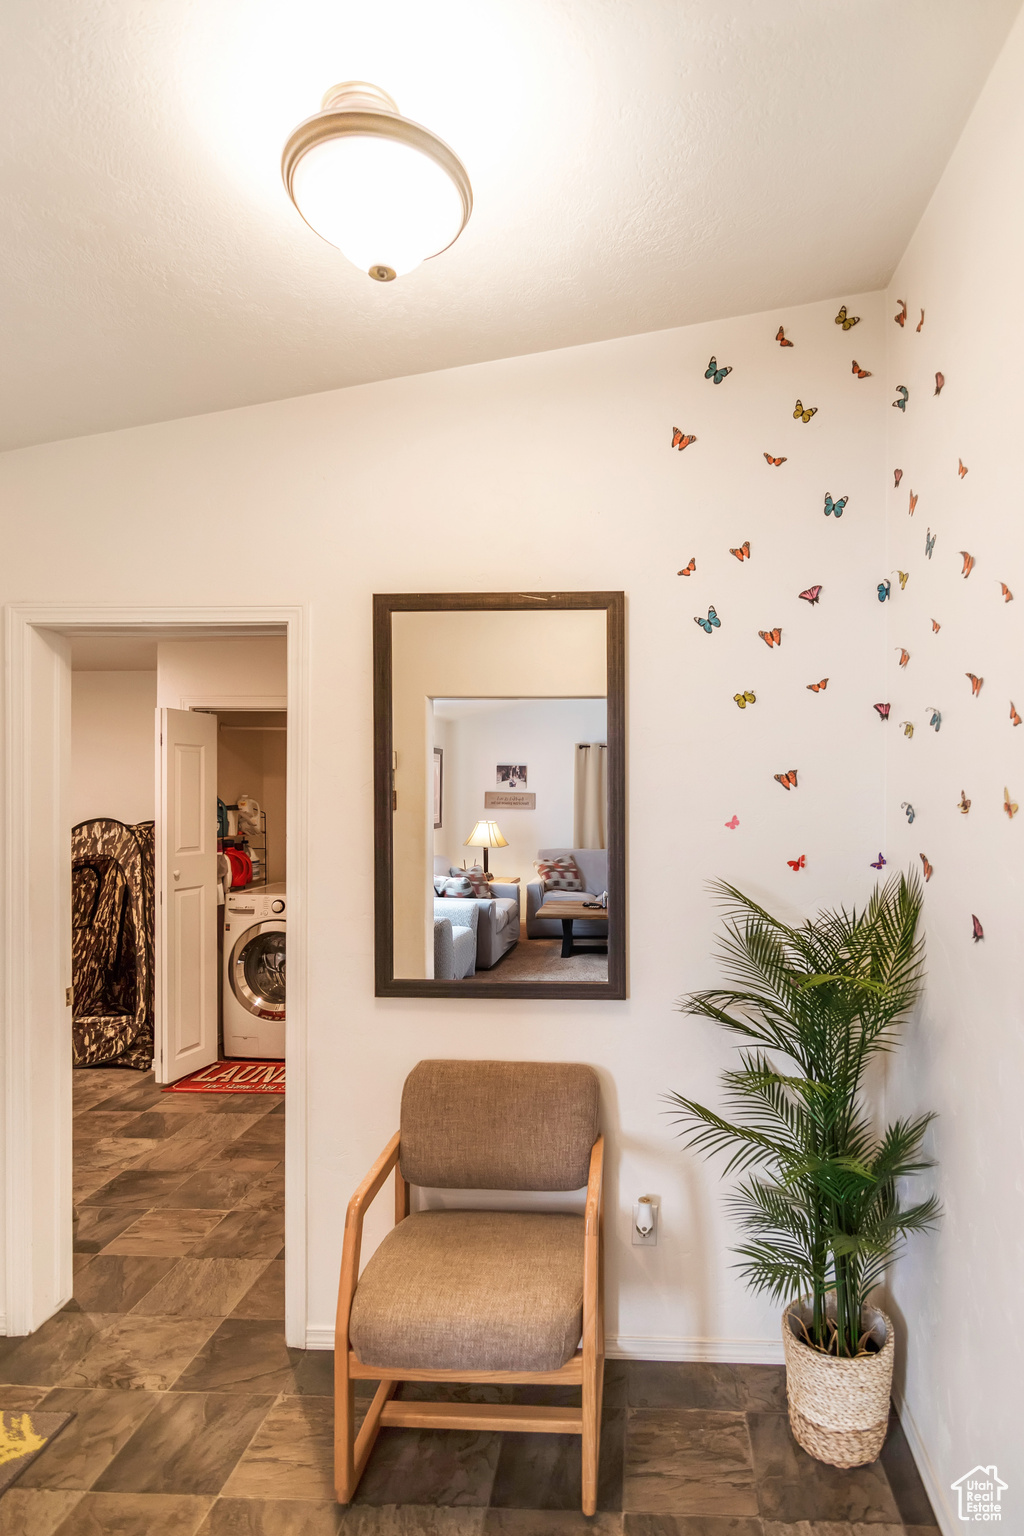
(595, 1183)
(354, 1218)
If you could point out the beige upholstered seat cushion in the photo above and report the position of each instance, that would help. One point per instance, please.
(473, 1290)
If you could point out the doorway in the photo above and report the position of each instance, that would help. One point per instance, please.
(37, 930)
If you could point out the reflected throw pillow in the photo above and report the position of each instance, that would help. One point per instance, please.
(561, 874)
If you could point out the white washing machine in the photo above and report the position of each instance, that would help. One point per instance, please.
(255, 924)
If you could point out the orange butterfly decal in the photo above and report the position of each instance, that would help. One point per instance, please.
(797, 863)
(897, 476)
(921, 321)
(787, 780)
(936, 626)
(968, 563)
(904, 656)
(818, 687)
(963, 804)
(743, 553)
(771, 636)
(681, 440)
(780, 337)
(901, 314)
(963, 468)
(940, 379)
(976, 683)
(913, 502)
(859, 372)
(928, 870)
(688, 570)
(1014, 717)
(1009, 806)
(776, 462)
(1007, 594)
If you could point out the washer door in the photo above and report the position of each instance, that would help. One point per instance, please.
(258, 970)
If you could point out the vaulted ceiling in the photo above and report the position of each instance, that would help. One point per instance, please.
(636, 164)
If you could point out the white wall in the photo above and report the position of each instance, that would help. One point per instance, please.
(248, 673)
(958, 1293)
(113, 771)
(386, 488)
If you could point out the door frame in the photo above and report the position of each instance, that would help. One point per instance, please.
(35, 936)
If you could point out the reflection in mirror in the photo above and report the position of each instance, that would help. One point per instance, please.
(500, 812)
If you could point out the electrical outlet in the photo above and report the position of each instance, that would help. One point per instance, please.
(645, 1216)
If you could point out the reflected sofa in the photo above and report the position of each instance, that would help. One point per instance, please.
(497, 926)
(593, 866)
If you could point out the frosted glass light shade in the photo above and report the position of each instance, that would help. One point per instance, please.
(384, 190)
(485, 835)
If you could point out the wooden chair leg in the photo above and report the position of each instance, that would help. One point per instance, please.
(344, 1429)
(591, 1434)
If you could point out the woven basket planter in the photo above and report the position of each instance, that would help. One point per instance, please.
(838, 1409)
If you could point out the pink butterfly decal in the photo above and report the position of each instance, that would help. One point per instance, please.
(897, 475)
(883, 711)
(976, 928)
(733, 824)
(812, 594)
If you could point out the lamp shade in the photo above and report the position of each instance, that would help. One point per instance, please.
(386, 191)
(485, 835)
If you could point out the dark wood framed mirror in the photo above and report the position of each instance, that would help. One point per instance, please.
(505, 874)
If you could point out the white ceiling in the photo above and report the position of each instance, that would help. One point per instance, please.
(636, 164)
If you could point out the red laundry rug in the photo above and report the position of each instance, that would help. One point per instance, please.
(233, 1077)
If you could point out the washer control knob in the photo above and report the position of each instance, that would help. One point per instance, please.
(277, 906)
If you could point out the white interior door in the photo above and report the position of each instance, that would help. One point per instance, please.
(186, 883)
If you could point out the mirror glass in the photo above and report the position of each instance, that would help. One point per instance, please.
(501, 795)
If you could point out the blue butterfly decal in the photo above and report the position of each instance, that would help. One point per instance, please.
(904, 394)
(911, 813)
(711, 622)
(936, 719)
(877, 863)
(835, 506)
(712, 371)
(884, 588)
(929, 543)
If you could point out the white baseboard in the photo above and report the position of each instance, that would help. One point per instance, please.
(3, 1325)
(949, 1522)
(647, 1347)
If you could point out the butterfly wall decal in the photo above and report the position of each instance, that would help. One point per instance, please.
(883, 711)
(818, 687)
(963, 804)
(897, 476)
(743, 699)
(797, 863)
(936, 626)
(711, 622)
(845, 320)
(771, 637)
(884, 588)
(969, 564)
(712, 371)
(904, 396)
(682, 440)
(1014, 717)
(975, 682)
(929, 543)
(787, 780)
(962, 469)
(903, 577)
(908, 727)
(904, 655)
(911, 813)
(936, 720)
(878, 863)
(940, 379)
(928, 870)
(913, 504)
(804, 413)
(835, 508)
(776, 462)
(1007, 594)
(733, 823)
(688, 570)
(901, 314)
(780, 337)
(977, 931)
(859, 372)
(920, 323)
(1009, 806)
(812, 594)
(743, 553)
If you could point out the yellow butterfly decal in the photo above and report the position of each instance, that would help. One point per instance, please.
(1009, 806)
(908, 727)
(800, 414)
(904, 577)
(845, 320)
(743, 699)
(964, 804)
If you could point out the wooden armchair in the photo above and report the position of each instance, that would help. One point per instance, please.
(478, 1295)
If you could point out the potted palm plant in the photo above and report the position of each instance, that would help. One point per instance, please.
(819, 1196)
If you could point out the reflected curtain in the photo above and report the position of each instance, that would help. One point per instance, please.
(590, 801)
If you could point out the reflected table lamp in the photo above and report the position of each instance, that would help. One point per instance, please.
(485, 835)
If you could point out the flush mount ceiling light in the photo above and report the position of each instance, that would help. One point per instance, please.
(386, 191)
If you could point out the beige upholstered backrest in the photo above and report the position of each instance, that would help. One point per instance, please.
(499, 1124)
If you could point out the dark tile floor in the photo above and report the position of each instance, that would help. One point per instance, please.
(194, 1419)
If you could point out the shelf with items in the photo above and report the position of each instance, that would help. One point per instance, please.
(252, 846)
